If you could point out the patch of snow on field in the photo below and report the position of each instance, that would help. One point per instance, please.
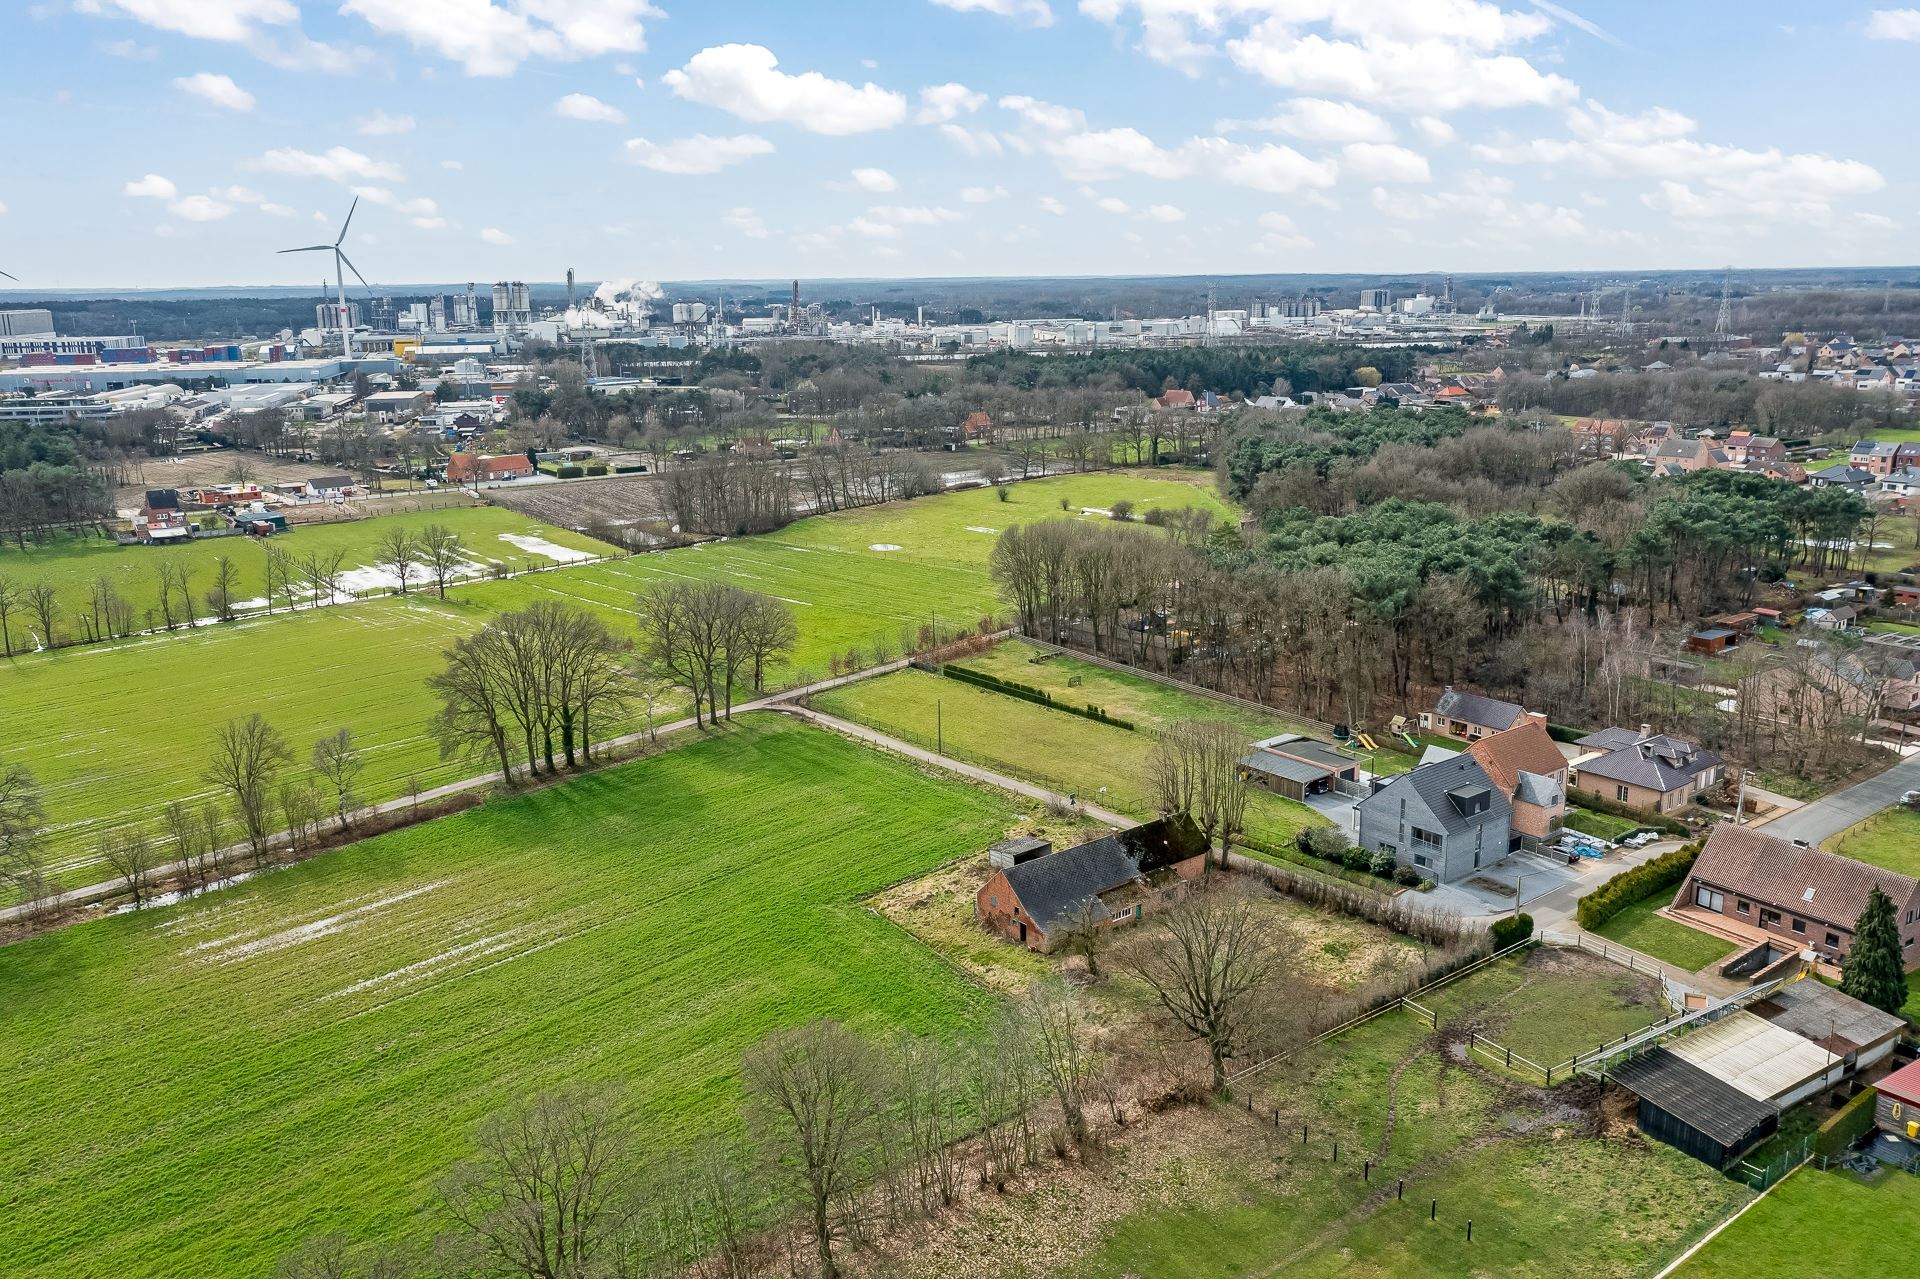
(552, 550)
(491, 945)
(886, 546)
(1096, 510)
(975, 528)
(306, 932)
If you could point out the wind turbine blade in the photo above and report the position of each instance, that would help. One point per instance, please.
(356, 271)
(14, 278)
(347, 223)
(311, 248)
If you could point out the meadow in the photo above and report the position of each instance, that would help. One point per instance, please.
(1096, 762)
(1639, 927)
(192, 1089)
(1818, 1223)
(493, 537)
(115, 731)
(1889, 839)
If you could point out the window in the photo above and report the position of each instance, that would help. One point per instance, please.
(1709, 898)
(1769, 918)
(1833, 940)
(1742, 905)
(1420, 860)
(993, 901)
(1426, 838)
(1620, 793)
(1799, 924)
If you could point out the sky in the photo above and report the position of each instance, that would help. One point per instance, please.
(166, 143)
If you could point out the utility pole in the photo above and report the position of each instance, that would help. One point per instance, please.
(1723, 323)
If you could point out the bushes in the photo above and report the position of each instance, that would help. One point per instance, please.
(1511, 931)
(1329, 844)
(1623, 890)
(1383, 864)
(569, 472)
(1406, 877)
(596, 468)
(1038, 696)
(1848, 1124)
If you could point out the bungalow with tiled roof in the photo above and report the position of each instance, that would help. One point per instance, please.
(1644, 770)
(1467, 717)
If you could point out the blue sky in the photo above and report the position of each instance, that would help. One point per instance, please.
(180, 142)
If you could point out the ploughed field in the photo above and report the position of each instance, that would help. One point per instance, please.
(114, 732)
(192, 1089)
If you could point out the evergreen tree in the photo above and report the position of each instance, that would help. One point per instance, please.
(1872, 971)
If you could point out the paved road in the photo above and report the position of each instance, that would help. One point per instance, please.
(114, 888)
(973, 771)
(1824, 818)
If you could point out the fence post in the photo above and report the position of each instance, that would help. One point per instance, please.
(1366, 1171)
(1469, 1229)
(1400, 1189)
(1433, 1213)
(1336, 1152)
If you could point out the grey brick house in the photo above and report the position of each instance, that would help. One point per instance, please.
(1446, 819)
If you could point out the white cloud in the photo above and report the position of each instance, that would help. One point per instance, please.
(1164, 213)
(132, 50)
(382, 125)
(493, 37)
(1894, 24)
(698, 154)
(1035, 12)
(878, 181)
(1045, 116)
(1384, 162)
(975, 142)
(747, 223)
(230, 20)
(452, 165)
(248, 196)
(430, 223)
(200, 208)
(1434, 73)
(1324, 120)
(1050, 205)
(1433, 129)
(584, 106)
(1095, 155)
(416, 207)
(983, 195)
(1279, 235)
(1113, 204)
(494, 235)
(942, 102)
(745, 80)
(152, 187)
(341, 164)
(215, 90)
(913, 215)
(873, 229)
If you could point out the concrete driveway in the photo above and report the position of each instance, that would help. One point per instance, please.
(1342, 810)
(1494, 889)
(1824, 818)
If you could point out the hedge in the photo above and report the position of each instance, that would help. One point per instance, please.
(596, 468)
(1511, 931)
(569, 472)
(1848, 1125)
(1028, 693)
(1561, 733)
(1635, 885)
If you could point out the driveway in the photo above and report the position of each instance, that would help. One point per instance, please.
(1821, 820)
(1341, 810)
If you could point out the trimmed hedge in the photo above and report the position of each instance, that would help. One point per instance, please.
(596, 468)
(1028, 693)
(569, 472)
(1638, 884)
(1511, 931)
(1561, 733)
(1848, 1124)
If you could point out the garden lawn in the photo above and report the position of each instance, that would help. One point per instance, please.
(73, 565)
(1096, 762)
(1545, 1199)
(1828, 1223)
(1600, 825)
(1641, 929)
(113, 732)
(192, 1089)
(1889, 839)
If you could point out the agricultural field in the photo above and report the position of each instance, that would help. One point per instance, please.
(1642, 929)
(1890, 839)
(1818, 1222)
(495, 540)
(1224, 1190)
(639, 926)
(1097, 762)
(362, 667)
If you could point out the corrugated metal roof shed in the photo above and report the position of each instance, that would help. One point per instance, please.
(1757, 1057)
(1691, 1095)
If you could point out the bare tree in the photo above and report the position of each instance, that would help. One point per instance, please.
(11, 600)
(248, 755)
(1057, 1027)
(338, 761)
(543, 1195)
(402, 555)
(811, 1092)
(322, 568)
(23, 820)
(226, 579)
(44, 603)
(1194, 770)
(184, 835)
(472, 688)
(1205, 962)
(443, 554)
(280, 573)
(1086, 928)
(130, 855)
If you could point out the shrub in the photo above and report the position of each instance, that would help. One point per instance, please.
(1511, 931)
(1357, 859)
(1002, 492)
(1121, 510)
(1635, 885)
(1382, 864)
(596, 468)
(1324, 842)
(1406, 876)
(1065, 505)
(1402, 913)
(1156, 517)
(570, 472)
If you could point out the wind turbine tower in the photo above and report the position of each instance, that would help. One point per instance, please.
(341, 265)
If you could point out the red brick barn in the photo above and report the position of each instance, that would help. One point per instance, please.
(1039, 897)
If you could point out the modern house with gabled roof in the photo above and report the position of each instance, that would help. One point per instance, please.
(1037, 899)
(1446, 819)
(1642, 769)
(1468, 716)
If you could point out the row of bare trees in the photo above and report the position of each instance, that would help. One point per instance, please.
(710, 637)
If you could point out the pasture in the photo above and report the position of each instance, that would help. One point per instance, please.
(194, 1088)
(1890, 839)
(493, 538)
(1097, 762)
(1818, 1222)
(113, 732)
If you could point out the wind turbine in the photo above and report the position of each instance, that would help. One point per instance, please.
(341, 265)
(14, 278)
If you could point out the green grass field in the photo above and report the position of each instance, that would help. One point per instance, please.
(114, 732)
(1545, 1200)
(191, 1089)
(1890, 839)
(1602, 825)
(1640, 928)
(1827, 1223)
(73, 566)
(1097, 762)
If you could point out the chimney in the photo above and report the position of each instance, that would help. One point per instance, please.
(1538, 717)
(1646, 730)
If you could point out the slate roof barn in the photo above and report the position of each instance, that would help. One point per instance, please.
(1687, 1108)
(1033, 899)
